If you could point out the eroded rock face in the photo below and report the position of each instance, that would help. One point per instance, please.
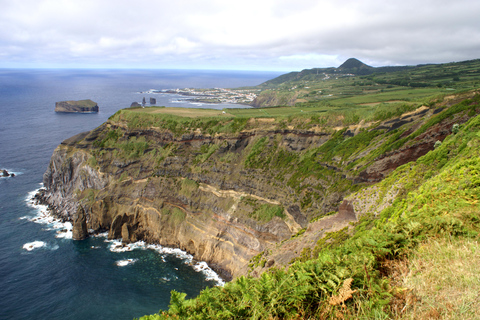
(138, 200)
(420, 146)
(65, 176)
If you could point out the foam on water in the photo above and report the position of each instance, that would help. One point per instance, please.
(100, 235)
(118, 246)
(63, 229)
(126, 262)
(208, 272)
(29, 246)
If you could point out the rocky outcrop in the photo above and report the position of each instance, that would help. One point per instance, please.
(79, 231)
(153, 101)
(419, 146)
(5, 173)
(286, 252)
(81, 106)
(66, 175)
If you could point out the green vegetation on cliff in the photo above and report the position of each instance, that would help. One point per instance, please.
(362, 272)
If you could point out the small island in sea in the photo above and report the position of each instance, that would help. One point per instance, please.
(80, 106)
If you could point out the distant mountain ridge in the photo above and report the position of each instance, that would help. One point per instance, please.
(350, 66)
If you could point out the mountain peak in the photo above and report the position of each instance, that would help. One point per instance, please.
(353, 63)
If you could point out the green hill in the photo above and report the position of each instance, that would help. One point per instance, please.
(355, 66)
(357, 83)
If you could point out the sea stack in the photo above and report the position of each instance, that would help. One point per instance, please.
(153, 101)
(80, 106)
(5, 173)
(79, 231)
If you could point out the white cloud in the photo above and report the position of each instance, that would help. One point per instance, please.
(262, 34)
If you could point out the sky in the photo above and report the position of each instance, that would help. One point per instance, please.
(264, 35)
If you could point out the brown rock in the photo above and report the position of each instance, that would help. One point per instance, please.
(346, 211)
(125, 233)
(79, 231)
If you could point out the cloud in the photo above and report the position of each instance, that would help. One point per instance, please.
(250, 34)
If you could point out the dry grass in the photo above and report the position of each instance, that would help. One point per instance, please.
(441, 280)
(344, 293)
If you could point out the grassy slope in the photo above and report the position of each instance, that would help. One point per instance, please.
(358, 276)
(409, 85)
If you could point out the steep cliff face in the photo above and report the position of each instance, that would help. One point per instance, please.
(178, 193)
(227, 190)
(67, 174)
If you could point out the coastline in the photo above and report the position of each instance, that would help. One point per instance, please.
(47, 214)
(212, 96)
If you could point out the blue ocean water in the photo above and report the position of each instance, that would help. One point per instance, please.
(44, 275)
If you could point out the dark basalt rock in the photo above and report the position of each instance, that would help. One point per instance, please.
(5, 173)
(135, 105)
(153, 101)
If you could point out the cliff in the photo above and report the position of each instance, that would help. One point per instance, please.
(234, 191)
(414, 244)
(81, 106)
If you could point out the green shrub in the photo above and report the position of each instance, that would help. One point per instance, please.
(266, 212)
(188, 186)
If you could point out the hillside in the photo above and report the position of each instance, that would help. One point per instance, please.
(424, 212)
(355, 83)
(410, 260)
(329, 195)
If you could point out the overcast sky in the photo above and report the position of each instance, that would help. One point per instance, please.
(281, 35)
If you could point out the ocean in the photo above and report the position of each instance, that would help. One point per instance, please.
(43, 273)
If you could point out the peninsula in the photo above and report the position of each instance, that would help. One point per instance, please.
(80, 106)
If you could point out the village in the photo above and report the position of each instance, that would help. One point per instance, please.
(216, 95)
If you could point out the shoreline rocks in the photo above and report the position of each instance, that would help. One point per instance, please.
(5, 173)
